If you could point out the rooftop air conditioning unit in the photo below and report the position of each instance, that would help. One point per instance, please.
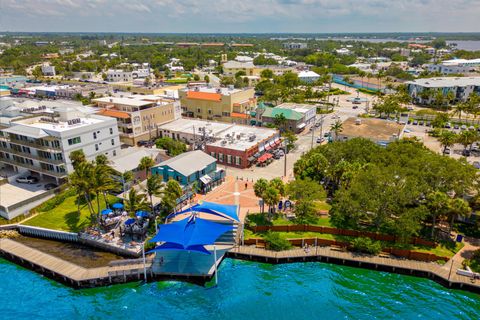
(358, 122)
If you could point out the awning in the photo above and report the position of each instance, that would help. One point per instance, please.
(251, 159)
(265, 157)
(301, 125)
(142, 214)
(206, 179)
(268, 147)
(189, 234)
(257, 155)
(221, 210)
(261, 148)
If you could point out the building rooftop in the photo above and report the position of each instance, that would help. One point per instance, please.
(224, 91)
(193, 125)
(298, 107)
(304, 74)
(188, 162)
(129, 101)
(242, 138)
(289, 114)
(232, 64)
(446, 82)
(129, 158)
(373, 129)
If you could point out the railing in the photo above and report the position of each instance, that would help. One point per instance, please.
(34, 145)
(34, 168)
(129, 262)
(31, 156)
(47, 233)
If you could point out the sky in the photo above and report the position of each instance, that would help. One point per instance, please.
(244, 16)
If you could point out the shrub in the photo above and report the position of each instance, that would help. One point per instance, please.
(275, 242)
(363, 244)
(474, 261)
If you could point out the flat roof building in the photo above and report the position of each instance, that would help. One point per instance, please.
(42, 144)
(424, 91)
(138, 116)
(222, 104)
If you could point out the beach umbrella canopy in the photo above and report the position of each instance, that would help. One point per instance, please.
(106, 211)
(117, 205)
(142, 214)
(190, 234)
(221, 210)
(129, 221)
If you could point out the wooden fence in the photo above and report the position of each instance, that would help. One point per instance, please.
(343, 232)
(402, 253)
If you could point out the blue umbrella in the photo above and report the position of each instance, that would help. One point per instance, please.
(117, 205)
(106, 211)
(142, 214)
(129, 222)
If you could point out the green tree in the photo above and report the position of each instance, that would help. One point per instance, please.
(173, 147)
(145, 164)
(266, 73)
(259, 188)
(457, 208)
(447, 139)
(278, 184)
(136, 202)
(153, 188)
(171, 193)
(336, 128)
(271, 196)
(437, 203)
(77, 157)
(280, 121)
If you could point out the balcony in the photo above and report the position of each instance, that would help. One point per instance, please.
(35, 145)
(34, 168)
(31, 156)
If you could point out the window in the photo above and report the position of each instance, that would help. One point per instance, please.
(198, 110)
(113, 142)
(114, 153)
(209, 111)
(229, 159)
(212, 154)
(220, 157)
(73, 141)
(111, 130)
(94, 135)
(238, 161)
(96, 147)
(226, 114)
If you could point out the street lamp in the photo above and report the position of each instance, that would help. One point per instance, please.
(156, 225)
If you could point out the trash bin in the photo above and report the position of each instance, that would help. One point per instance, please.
(459, 238)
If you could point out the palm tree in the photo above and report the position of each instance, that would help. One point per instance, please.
(336, 127)
(458, 207)
(76, 157)
(271, 196)
(447, 139)
(461, 107)
(136, 202)
(259, 188)
(145, 164)
(80, 180)
(437, 202)
(101, 182)
(171, 193)
(466, 138)
(278, 184)
(280, 121)
(154, 188)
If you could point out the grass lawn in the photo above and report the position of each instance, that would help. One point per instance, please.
(261, 220)
(65, 216)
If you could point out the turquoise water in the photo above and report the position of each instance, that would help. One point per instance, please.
(246, 290)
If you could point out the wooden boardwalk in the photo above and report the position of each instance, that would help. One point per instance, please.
(67, 271)
(443, 274)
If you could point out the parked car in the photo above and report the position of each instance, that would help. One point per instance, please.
(355, 107)
(476, 164)
(448, 125)
(29, 180)
(320, 139)
(456, 127)
(409, 121)
(50, 186)
(415, 122)
(463, 127)
(420, 123)
(446, 151)
(466, 153)
(428, 124)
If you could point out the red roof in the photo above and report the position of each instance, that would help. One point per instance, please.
(114, 114)
(210, 96)
(239, 115)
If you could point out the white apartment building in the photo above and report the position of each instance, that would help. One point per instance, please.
(119, 75)
(423, 90)
(448, 69)
(308, 76)
(43, 144)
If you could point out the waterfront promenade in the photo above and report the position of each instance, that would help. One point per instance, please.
(446, 274)
(68, 272)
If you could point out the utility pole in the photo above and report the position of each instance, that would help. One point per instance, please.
(285, 163)
(144, 263)
(313, 134)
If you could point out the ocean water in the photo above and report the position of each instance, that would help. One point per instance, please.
(246, 290)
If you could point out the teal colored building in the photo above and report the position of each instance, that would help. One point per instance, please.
(190, 168)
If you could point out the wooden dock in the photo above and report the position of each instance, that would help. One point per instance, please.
(70, 273)
(445, 275)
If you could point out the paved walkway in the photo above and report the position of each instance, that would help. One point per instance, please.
(470, 246)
